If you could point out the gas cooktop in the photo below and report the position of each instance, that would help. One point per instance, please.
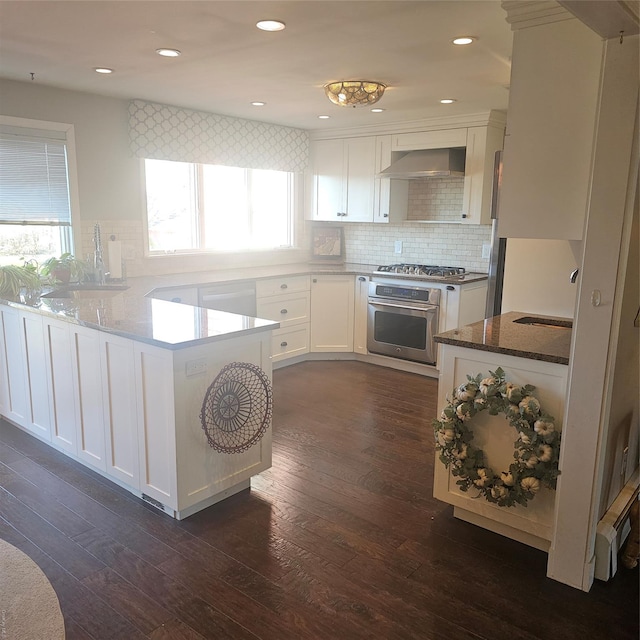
(431, 272)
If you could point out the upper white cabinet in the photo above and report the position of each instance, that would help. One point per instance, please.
(345, 187)
(548, 144)
(343, 174)
(390, 196)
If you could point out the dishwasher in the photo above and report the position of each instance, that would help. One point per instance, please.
(234, 297)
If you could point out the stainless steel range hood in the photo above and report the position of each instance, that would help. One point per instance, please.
(427, 163)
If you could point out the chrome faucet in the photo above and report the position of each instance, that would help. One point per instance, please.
(574, 276)
(98, 261)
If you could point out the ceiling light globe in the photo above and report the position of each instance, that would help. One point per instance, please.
(354, 93)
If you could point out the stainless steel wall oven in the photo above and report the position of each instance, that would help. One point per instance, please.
(402, 320)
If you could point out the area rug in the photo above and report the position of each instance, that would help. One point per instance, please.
(29, 608)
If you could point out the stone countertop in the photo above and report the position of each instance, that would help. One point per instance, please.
(201, 278)
(548, 340)
(164, 324)
(131, 313)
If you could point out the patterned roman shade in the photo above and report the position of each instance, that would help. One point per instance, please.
(162, 132)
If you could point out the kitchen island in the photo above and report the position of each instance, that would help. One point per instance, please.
(118, 382)
(531, 351)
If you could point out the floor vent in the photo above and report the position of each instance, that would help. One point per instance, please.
(153, 501)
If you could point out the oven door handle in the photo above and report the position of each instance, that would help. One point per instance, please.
(427, 307)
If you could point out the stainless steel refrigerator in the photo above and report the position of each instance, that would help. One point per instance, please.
(498, 248)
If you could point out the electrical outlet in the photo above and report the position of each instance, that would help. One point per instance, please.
(486, 251)
(195, 367)
(397, 246)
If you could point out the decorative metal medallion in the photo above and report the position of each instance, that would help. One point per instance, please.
(237, 408)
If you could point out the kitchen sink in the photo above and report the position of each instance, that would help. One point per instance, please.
(86, 290)
(545, 322)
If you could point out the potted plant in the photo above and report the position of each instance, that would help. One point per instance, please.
(65, 269)
(14, 277)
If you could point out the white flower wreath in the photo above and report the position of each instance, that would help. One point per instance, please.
(536, 451)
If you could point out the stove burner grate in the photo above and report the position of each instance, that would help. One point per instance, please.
(422, 270)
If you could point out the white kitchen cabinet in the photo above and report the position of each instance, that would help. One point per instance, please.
(286, 300)
(62, 389)
(120, 408)
(439, 139)
(16, 384)
(360, 315)
(185, 295)
(343, 179)
(391, 197)
(87, 377)
(462, 304)
(156, 423)
(548, 145)
(38, 418)
(332, 313)
(533, 524)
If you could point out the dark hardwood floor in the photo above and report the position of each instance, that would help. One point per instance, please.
(340, 539)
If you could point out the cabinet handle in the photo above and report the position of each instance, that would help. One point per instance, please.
(362, 279)
(176, 299)
(315, 280)
(283, 286)
(283, 311)
(464, 215)
(283, 344)
(385, 215)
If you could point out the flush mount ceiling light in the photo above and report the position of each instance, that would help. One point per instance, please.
(168, 53)
(464, 40)
(104, 70)
(377, 110)
(257, 103)
(447, 101)
(354, 93)
(323, 117)
(270, 25)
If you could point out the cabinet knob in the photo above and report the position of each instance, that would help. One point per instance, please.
(283, 286)
(315, 280)
(283, 311)
(176, 299)
(385, 215)
(283, 344)
(362, 279)
(464, 215)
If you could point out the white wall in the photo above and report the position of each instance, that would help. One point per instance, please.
(536, 277)
(108, 175)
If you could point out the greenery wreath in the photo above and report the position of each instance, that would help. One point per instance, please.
(536, 450)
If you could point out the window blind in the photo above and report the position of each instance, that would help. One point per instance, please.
(34, 183)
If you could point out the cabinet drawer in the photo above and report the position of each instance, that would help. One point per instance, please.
(287, 343)
(287, 309)
(277, 286)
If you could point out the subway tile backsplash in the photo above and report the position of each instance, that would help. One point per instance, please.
(458, 245)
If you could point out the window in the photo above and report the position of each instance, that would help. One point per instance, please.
(35, 201)
(203, 207)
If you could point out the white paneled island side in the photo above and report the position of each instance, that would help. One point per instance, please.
(117, 381)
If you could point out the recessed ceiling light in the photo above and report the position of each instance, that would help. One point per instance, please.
(257, 103)
(103, 70)
(270, 25)
(324, 117)
(447, 101)
(168, 53)
(464, 40)
(377, 110)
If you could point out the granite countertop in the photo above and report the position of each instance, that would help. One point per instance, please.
(548, 340)
(128, 310)
(164, 324)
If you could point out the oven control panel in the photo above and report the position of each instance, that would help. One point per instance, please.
(414, 294)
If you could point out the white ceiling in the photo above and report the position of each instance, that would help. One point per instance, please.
(226, 62)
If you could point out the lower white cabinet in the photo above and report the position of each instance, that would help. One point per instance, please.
(360, 315)
(332, 312)
(129, 409)
(287, 301)
(120, 408)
